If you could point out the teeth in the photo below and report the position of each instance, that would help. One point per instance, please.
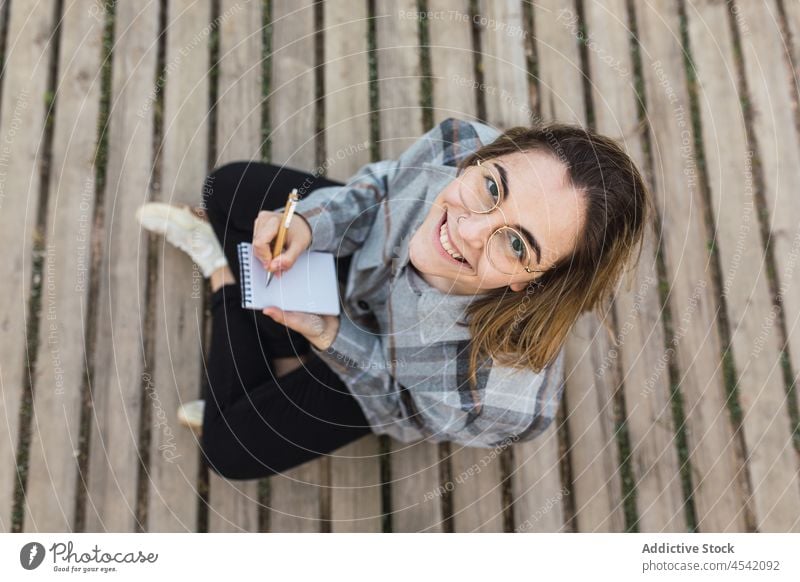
(446, 243)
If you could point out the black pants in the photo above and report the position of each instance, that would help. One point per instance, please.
(256, 424)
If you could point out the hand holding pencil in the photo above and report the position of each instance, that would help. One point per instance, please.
(320, 330)
(280, 237)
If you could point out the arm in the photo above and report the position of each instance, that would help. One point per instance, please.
(340, 217)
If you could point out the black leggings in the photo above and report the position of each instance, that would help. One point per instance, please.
(255, 424)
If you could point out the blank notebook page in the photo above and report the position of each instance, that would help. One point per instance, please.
(310, 285)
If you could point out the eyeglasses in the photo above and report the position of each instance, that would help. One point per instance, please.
(507, 250)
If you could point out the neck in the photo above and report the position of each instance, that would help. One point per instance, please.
(442, 284)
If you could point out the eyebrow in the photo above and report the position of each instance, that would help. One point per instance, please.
(525, 232)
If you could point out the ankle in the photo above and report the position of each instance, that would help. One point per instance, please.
(284, 366)
(221, 277)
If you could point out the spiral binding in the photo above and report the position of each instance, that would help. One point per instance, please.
(244, 274)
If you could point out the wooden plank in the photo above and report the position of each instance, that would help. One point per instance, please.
(792, 11)
(535, 478)
(118, 380)
(718, 493)
(778, 149)
(477, 492)
(296, 494)
(772, 461)
(176, 363)
(355, 468)
(21, 125)
(414, 467)
(452, 60)
(52, 462)
(234, 505)
(654, 458)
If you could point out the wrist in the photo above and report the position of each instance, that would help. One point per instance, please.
(307, 227)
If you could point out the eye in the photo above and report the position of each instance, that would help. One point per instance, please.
(517, 247)
(491, 187)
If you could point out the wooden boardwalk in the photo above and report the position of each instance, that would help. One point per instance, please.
(685, 420)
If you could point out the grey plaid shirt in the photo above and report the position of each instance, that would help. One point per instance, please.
(402, 347)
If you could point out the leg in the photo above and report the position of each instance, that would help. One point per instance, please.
(284, 366)
(255, 425)
(220, 277)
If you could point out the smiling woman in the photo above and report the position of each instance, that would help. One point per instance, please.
(561, 242)
(472, 245)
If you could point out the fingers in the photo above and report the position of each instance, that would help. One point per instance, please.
(308, 324)
(286, 259)
(264, 231)
(320, 330)
(291, 319)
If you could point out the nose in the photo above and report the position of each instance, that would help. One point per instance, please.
(474, 230)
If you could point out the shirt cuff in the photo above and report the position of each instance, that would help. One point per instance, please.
(312, 209)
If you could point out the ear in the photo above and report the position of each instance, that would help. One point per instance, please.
(518, 286)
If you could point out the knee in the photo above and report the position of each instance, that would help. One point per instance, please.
(220, 185)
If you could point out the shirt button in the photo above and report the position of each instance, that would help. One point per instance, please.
(363, 304)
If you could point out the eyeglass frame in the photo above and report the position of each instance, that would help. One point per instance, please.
(500, 197)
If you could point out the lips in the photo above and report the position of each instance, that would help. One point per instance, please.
(441, 249)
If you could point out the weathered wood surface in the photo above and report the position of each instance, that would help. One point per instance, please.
(146, 358)
(119, 379)
(53, 473)
(696, 345)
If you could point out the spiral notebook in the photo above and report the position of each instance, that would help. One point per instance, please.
(310, 285)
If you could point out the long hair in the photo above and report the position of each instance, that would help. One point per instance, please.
(526, 329)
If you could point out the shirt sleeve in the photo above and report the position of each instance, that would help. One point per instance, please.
(340, 217)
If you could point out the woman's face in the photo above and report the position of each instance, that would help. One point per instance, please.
(537, 198)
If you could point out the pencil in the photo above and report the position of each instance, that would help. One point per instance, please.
(288, 212)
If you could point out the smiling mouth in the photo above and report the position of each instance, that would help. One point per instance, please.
(446, 245)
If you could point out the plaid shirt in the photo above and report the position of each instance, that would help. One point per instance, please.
(403, 348)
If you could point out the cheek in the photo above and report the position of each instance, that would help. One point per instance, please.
(449, 196)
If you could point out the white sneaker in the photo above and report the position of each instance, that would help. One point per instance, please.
(185, 230)
(190, 415)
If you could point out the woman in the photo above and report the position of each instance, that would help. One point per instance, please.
(465, 263)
